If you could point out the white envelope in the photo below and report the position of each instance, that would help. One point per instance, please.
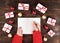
(27, 24)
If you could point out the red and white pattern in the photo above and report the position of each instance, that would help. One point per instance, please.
(51, 21)
(51, 33)
(41, 8)
(7, 28)
(9, 15)
(22, 6)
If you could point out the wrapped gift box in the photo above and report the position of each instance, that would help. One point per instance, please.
(9, 15)
(22, 6)
(51, 33)
(41, 8)
(7, 28)
(51, 21)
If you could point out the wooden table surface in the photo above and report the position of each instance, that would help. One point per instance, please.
(53, 11)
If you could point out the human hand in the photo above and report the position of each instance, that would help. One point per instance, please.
(36, 26)
(19, 31)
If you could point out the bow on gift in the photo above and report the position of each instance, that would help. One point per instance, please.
(51, 33)
(51, 21)
(22, 6)
(9, 15)
(41, 8)
(7, 28)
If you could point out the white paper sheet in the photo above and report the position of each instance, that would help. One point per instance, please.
(27, 24)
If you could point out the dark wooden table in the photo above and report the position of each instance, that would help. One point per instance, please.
(53, 11)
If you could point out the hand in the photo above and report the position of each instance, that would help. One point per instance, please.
(19, 31)
(36, 26)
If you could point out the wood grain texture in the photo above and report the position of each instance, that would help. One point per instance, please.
(53, 11)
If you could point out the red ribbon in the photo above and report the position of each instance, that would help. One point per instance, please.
(51, 33)
(43, 8)
(7, 28)
(51, 21)
(8, 14)
(24, 7)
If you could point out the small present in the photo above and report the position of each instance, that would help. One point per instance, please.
(41, 8)
(51, 21)
(51, 33)
(9, 15)
(22, 6)
(7, 28)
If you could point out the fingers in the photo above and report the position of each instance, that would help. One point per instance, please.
(19, 31)
(36, 26)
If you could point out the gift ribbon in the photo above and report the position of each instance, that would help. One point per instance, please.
(51, 33)
(43, 8)
(24, 7)
(8, 14)
(7, 28)
(51, 21)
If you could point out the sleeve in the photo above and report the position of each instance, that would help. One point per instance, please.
(37, 37)
(17, 39)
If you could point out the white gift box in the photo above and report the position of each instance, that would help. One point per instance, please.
(9, 15)
(22, 6)
(51, 21)
(7, 28)
(41, 8)
(51, 33)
